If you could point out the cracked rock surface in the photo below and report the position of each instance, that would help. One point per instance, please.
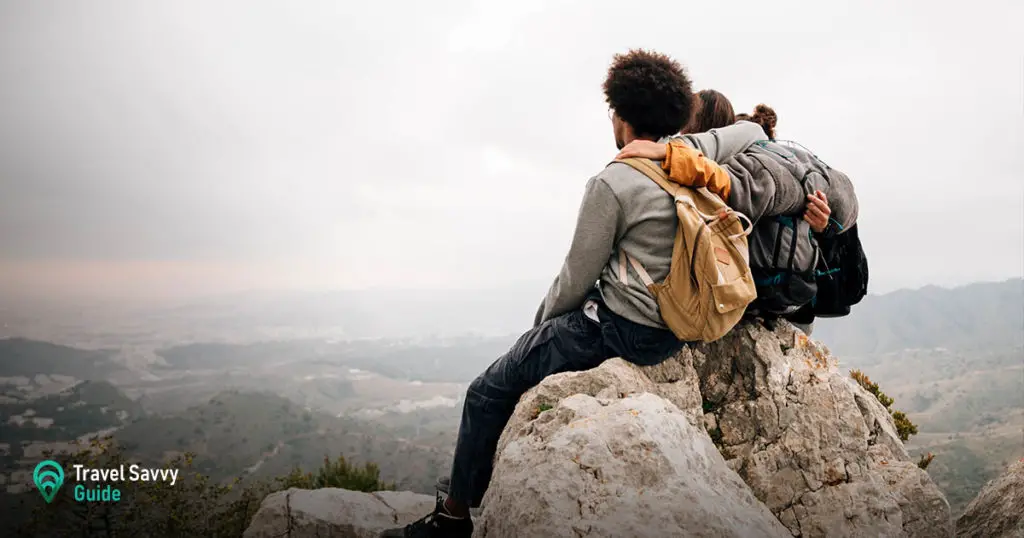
(335, 513)
(820, 451)
(998, 510)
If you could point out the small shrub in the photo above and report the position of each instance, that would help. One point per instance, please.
(904, 427)
(540, 409)
(337, 474)
(872, 387)
(925, 460)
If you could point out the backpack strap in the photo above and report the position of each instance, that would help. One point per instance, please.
(623, 275)
(653, 171)
(656, 173)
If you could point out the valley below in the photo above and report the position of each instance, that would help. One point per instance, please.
(254, 407)
(249, 411)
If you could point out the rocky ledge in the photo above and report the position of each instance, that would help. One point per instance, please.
(758, 434)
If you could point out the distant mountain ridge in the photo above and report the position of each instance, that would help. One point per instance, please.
(983, 315)
(25, 357)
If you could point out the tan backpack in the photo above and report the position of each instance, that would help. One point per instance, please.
(709, 284)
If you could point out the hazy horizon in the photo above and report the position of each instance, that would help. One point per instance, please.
(194, 149)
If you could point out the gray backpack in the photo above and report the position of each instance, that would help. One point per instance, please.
(784, 254)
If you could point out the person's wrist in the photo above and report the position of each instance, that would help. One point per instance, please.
(827, 231)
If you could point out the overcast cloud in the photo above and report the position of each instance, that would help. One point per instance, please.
(210, 146)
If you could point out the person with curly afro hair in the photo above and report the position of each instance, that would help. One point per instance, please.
(592, 312)
(649, 96)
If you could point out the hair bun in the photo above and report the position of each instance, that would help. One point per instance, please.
(766, 117)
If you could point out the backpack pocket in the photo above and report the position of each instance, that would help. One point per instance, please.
(732, 295)
(783, 260)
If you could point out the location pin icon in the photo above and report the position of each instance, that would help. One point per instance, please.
(48, 476)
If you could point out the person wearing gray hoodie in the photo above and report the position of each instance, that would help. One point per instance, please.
(588, 315)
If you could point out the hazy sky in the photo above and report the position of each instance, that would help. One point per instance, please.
(207, 146)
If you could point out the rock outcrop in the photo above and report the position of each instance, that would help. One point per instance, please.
(998, 510)
(758, 434)
(612, 467)
(335, 513)
(820, 451)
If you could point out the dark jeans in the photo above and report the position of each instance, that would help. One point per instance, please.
(570, 342)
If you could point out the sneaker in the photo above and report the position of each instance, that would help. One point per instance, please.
(443, 485)
(437, 524)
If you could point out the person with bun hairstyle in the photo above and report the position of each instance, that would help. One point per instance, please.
(759, 185)
(765, 116)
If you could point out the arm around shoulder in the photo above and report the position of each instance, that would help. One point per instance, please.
(689, 167)
(723, 143)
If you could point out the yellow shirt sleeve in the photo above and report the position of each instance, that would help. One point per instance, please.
(690, 168)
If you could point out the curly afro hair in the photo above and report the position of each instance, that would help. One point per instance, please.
(649, 91)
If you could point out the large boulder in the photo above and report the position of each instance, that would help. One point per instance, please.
(611, 467)
(335, 513)
(998, 510)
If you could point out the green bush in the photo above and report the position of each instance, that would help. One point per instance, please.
(337, 474)
(904, 427)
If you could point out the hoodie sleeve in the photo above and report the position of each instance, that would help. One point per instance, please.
(599, 225)
(842, 199)
(752, 189)
(742, 180)
(721, 144)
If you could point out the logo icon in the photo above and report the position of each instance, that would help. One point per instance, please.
(48, 476)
